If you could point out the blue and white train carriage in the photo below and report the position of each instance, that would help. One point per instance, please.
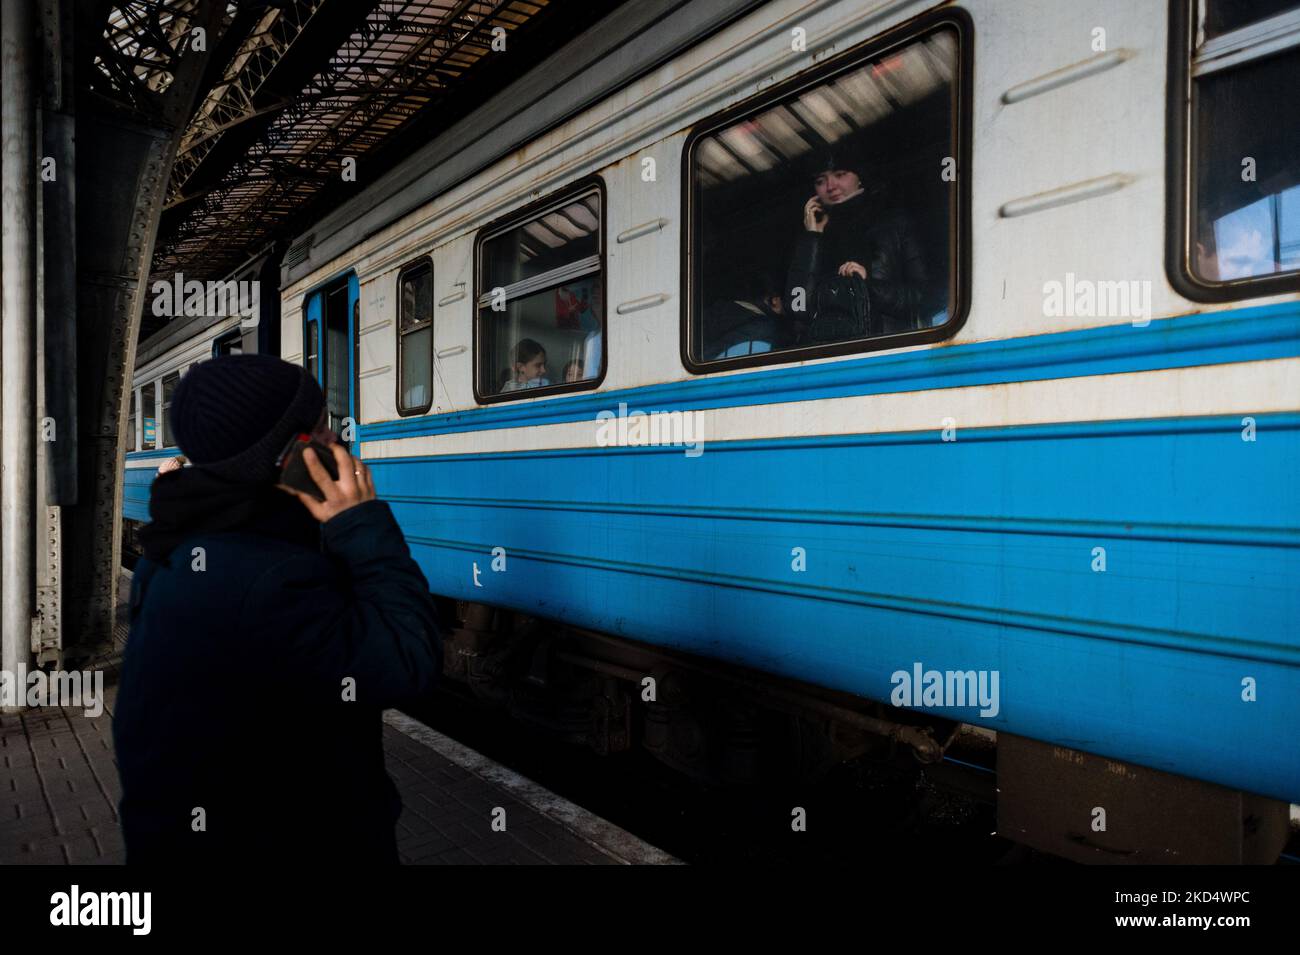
(989, 333)
(228, 317)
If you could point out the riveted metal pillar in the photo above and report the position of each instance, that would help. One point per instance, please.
(120, 195)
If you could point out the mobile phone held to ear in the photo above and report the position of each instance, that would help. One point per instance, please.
(293, 470)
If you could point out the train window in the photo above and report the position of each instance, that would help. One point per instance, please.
(356, 357)
(149, 423)
(169, 384)
(1238, 223)
(231, 343)
(415, 339)
(132, 444)
(338, 383)
(540, 299)
(825, 219)
(1223, 16)
(312, 349)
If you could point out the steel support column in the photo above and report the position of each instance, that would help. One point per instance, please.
(120, 194)
(18, 41)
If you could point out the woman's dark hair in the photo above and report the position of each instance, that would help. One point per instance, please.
(869, 172)
(834, 160)
(527, 350)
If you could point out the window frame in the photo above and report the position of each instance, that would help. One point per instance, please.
(1180, 183)
(154, 385)
(230, 335)
(497, 227)
(959, 228)
(310, 325)
(164, 406)
(133, 417)
(423, 262)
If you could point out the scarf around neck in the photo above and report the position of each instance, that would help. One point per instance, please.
(193, 501)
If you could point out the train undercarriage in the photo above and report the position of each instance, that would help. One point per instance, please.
(721, 725)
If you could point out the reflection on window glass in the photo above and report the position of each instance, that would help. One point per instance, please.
(1224, 16)
(169, 384)
(551, 337)
(131, 420)
(231, 343)
(150, 424)
(822, 219)
(415, 340)
(541, 304)
(551, 241)
(337, 384)
(356, 358)
(1247, 215)
(311, 353)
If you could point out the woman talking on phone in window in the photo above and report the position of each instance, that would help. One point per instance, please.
(859, 265)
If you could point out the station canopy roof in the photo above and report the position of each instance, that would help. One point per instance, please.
(296, 87)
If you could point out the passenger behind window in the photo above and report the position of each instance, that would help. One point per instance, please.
(529, 367)
(749, 324)
(859, 266)
(573, 372)
(581, 308)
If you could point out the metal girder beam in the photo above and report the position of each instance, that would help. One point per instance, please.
(234, 100)
(120, 198)
(391, 65)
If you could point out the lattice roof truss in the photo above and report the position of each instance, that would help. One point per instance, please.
(293, 89)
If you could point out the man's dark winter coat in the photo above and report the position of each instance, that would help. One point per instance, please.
(247, 725)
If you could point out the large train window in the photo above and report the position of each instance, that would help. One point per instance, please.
(828, 216)
(149, 423)
(1235, 136)
(415, 338)
(169, 384)
(540, 297)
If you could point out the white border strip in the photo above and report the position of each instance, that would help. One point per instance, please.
(590, 828)
(1243, 388)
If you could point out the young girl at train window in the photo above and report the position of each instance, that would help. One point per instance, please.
(529, 367)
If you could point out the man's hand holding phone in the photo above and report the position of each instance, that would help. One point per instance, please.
(354, 484)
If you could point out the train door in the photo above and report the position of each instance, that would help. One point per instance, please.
(329, 350)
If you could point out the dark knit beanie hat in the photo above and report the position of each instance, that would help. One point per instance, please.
(836, 160)
(233, 415)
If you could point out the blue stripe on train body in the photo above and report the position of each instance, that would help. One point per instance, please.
(959, 559)
(137, 481)
(974, 555)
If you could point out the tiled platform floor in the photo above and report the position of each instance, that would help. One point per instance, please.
(59, 793)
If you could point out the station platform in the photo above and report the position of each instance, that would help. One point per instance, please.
(59, 793)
